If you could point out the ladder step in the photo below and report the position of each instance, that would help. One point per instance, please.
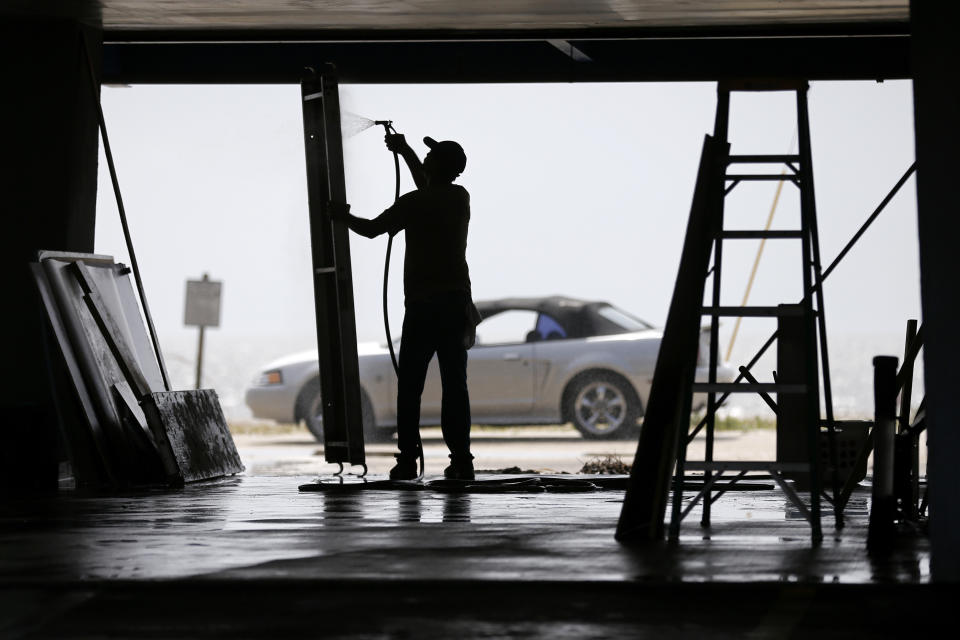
(747, 387)
(751, 235)
(791, 310)
(761, 177)
(767, 159)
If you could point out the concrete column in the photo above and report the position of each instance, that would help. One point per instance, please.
(48, 194)
(935, 50)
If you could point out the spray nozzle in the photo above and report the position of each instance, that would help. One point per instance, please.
(386, 124)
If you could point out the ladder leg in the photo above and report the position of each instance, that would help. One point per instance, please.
(712, 374)
(807, 216)
(804, 123)
(721, 126)
(827, 388)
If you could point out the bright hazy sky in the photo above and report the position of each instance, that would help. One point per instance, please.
(577, 189)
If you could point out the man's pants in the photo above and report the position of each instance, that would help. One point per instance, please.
(436, 325)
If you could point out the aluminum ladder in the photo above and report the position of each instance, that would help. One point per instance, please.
(719, 476)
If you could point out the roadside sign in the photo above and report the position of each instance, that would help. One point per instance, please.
(202, 308)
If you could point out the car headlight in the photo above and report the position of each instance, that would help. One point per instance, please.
(270, 378)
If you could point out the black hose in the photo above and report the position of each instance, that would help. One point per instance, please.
(386, 272)
(386, 279)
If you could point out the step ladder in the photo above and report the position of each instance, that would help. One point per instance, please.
(720, 475)
(660, 464)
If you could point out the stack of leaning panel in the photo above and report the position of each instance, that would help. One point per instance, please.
(120, 425)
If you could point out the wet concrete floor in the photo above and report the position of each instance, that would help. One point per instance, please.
(254, 557)
(545, 449)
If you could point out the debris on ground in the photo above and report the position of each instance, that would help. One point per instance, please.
(606, 464)
(506, 470)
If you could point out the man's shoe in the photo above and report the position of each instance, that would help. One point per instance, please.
(405, 469)
(459, 471)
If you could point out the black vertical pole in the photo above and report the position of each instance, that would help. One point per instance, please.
(934, 46)
(883, 504)
(907, 455)
(95, 88)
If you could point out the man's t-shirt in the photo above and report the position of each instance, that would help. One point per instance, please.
(435, 220)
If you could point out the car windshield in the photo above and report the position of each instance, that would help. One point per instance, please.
(622, 320)
(510, 326)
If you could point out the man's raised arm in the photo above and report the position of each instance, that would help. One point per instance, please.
(397, 143)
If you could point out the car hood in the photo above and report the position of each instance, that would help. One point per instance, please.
(363, 349)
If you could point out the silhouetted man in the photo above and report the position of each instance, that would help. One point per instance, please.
(439, 314)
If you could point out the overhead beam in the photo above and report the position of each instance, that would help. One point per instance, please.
(823, 57)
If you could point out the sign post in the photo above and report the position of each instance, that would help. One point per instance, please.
(202, 309)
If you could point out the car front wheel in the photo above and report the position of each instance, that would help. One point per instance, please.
(310, 409)
(603, 406)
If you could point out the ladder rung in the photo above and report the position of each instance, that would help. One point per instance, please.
(747, 387)
(760, 177)
(750, 235)
(762, 159)
(744, 465)
(754, 312)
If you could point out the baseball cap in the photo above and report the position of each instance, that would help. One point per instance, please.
(448, 152)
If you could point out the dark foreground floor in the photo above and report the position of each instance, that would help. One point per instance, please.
(253, 557)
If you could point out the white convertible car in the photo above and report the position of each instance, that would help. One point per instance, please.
(537, 361)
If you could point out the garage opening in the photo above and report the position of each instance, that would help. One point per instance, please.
(579, 198)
